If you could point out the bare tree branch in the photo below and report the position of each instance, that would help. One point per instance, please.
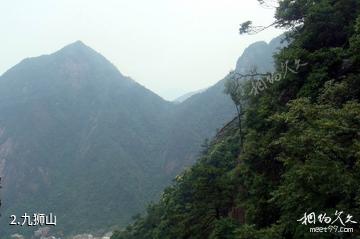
(247, 28)
(269, 4)
(252, 75)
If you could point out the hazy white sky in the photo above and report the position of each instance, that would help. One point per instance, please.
(169, 46)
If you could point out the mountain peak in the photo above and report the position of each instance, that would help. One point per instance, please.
(77, 45)
(78, 42)
(79, 54)
(259, 55)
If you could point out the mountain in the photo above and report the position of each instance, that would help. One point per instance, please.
(192, 122)
(78, 139)
(292, 158)
(195, 119)
(259, 55)
(186, 96)
(82, 141)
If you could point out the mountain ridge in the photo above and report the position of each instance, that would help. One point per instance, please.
(65, 117)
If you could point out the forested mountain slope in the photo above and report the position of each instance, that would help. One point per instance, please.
(200, 114)
(298, 162)
(90, 145)
(78, 139)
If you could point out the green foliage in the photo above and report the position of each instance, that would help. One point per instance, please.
(301, 141)
(244, 27)
(224, 228)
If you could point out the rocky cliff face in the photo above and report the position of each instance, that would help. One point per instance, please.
(259, 55)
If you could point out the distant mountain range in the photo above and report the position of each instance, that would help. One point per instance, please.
(82, 141)
(186, 96)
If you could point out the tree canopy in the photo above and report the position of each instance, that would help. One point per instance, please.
(301, 143)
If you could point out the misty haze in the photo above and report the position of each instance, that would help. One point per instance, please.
(179, 119)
